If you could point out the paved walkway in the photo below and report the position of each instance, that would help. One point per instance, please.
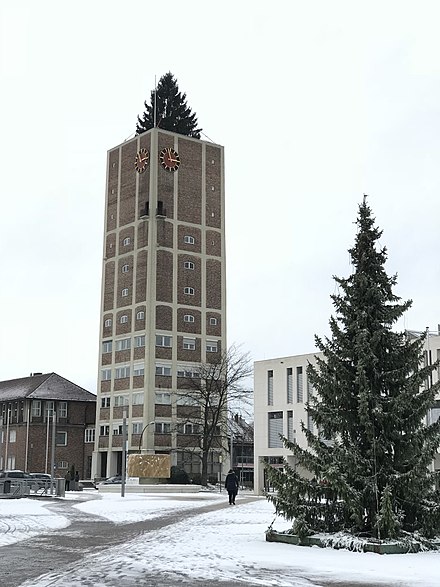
(55, 553)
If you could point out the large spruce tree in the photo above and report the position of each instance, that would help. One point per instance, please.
(367, 469)
(172, 111)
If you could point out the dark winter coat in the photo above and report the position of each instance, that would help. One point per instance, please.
(231, 482)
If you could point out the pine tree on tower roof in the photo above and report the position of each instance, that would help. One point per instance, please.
(172, 111)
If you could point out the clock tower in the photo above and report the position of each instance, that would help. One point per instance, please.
(163, 300)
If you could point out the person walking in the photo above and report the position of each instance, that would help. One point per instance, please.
(68, 479)
(231, 485)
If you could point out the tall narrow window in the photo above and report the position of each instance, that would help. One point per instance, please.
(275, 423)
(290, 429)
(62, 407)
(290, 385)
(270, 388)
(310, 389)
(299, 385)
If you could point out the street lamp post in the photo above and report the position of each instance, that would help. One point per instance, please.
(142, 434)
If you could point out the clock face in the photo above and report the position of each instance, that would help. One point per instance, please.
(141, 160)
(169, 159)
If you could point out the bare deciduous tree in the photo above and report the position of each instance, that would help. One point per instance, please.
(220, 383)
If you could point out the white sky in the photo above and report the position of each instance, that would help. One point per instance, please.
(315, 102)
(228, 544)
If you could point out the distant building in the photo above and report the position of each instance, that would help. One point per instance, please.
(28, 407)
(242, 441)
(281, 392)
(163, 305)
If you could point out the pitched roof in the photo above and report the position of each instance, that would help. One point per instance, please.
(48, 386)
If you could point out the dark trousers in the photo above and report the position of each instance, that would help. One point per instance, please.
(232, 495)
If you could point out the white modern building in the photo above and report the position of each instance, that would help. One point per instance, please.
(281, 393)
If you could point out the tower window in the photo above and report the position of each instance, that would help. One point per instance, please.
(188, 265)
(108, 322)
(125, 268)
(140, 315)
(189, 344)
(163, 340)
(107, 346)
(211, 346)
(126, 241)
(124, 319)
(213, 321)
(189, 240)
(188, 318)
(124, 292)
(189, 291)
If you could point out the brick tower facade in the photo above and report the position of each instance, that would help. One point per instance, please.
(163, 303)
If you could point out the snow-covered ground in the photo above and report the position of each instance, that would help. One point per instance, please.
(228, 544)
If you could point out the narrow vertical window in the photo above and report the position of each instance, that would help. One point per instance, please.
(270, 388)
(299, 385)
(290, 385)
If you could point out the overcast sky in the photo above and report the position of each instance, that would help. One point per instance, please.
(315, 102)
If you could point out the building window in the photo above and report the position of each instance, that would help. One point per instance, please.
(290, 430)
(62, 406)
(89, 435)
(126, 241)
(211, 346)
(270, 388)
(188, 240)
(139, 341)
(61, 439)
(124, 319)
(104, 430)
(36, 408)
(121, 400)
(163, 370)
(63, 465)
(310, 390)
(138, 369)
(162, 428)
(188, 318)
(189, 343)
(275, 421)
(162, 340)
(188, 290)
(12, 436)
(106, 374)
(125, 268)
(187, 372)
(49, 409)
(163, 398)
(188, 265)
(136, 428)
(140, 315)
(299, 384)
(309, 423)
(107, 346)
(290, 385)
(105, 401)
(123, 344)
(213, 321)
(124, 292)
(138, 399)
(122, 372)
(108, 322)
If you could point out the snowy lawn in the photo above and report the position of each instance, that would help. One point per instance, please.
(223, 545)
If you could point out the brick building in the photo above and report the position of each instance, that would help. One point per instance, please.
(163, 307)
(28, 408)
